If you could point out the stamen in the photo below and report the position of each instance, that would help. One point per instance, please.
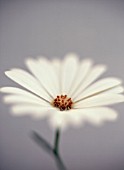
(63, 102)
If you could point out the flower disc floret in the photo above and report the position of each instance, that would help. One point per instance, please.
(63, 102)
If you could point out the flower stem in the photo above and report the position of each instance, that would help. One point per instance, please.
(48, 148)
(56, 142)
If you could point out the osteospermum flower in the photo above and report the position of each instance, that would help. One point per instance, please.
(65, 91)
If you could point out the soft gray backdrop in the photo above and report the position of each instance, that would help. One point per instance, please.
(91, 28)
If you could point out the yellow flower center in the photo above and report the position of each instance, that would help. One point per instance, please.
(63, 102)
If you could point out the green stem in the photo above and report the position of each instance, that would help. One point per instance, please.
(56, 143)
(47, 147)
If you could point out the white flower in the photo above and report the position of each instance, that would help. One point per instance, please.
(65, 91)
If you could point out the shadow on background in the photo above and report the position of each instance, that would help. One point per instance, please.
(48, 148)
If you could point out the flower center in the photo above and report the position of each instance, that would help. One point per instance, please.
(63, 102)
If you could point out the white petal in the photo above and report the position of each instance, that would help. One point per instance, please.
(58, 120)
(26, 80)
(77, 117)
(83, 70)
(25, 99)
(95, 73)
(23, 94)
(97, 115)
(63, 119)
(32, 110)
(100, 100)
(57, 67)
(99, 87)
(45, 73)
(68, 72)
(14, 90)
(74, 118)
(118, 89)
(56, 64)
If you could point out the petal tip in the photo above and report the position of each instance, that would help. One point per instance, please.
(6, 72)
(1, 89)
(71, 55)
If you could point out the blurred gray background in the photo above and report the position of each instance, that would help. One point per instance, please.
(91, 28)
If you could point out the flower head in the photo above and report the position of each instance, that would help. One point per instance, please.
(65, 91)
